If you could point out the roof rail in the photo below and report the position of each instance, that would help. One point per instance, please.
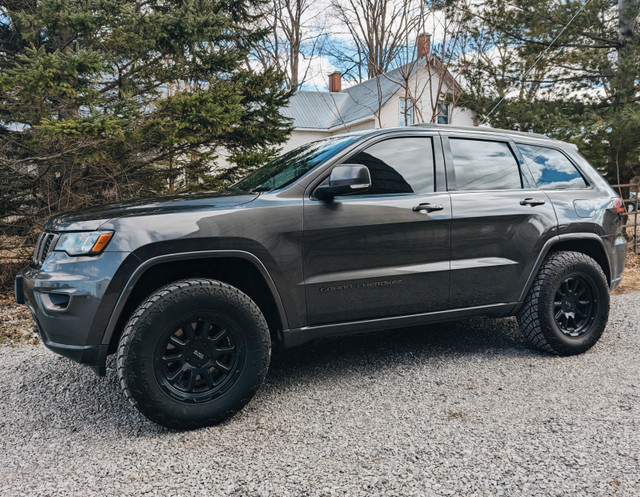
(479, 128)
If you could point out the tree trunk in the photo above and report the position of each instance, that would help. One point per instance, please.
(625, 73)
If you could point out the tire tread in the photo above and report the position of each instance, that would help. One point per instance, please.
(529, 318)
(154, 304)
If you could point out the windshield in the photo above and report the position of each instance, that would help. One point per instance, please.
(290, 166)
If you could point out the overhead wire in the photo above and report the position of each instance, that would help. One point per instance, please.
(535, 62)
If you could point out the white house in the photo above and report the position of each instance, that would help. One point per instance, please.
(420, 91)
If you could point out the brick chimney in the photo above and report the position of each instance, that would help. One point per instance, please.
(335, 81)
(424, 45)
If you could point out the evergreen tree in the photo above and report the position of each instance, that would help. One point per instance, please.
(104, 100)
(585, 89)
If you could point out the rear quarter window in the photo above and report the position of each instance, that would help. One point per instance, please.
(551, 169)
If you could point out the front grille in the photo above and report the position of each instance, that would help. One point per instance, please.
(46, 241)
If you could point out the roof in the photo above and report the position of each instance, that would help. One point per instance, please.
(327, 110)
(451, 127)
(477, 129)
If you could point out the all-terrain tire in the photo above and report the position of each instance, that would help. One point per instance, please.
(193, 353)
(545, 318)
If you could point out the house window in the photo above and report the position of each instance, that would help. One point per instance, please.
(403, 105)
(443, 113)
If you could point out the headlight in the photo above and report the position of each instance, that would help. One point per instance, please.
(83, 243)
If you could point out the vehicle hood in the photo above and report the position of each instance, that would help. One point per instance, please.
(93, 218)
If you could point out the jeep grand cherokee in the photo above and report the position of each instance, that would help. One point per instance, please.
(363, 231)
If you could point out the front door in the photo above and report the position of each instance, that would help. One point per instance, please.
(382, 252)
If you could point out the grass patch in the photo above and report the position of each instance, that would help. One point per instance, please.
(631, 275)
(16, 323)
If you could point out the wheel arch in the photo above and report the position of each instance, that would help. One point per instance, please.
(237, 268)
(587, 243)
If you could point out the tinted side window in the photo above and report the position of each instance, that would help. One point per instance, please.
(484, 165)
(551, 169)
(398, 165)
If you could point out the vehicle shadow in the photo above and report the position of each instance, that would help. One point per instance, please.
(70, 397)
(393, 348)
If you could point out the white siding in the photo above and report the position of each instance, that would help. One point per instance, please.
(300, 137)
(359, 127)
(463, 117)
(424, 85)
(419, 86)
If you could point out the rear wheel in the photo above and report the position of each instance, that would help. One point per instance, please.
(567, 308)
(194, 353)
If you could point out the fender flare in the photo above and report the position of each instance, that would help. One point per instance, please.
(548, 246)
(181, 256)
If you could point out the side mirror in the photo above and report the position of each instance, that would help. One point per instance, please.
(345, 179)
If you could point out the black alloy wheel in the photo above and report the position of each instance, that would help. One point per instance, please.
(575, 305)
(199, 358)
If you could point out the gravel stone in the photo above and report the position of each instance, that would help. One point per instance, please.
(457, 409)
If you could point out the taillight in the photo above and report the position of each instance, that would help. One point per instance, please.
(618, 204)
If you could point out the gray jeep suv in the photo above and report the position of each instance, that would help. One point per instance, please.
(364, 231)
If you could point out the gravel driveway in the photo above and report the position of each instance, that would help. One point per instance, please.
(460, 409)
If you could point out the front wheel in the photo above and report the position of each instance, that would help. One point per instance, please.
(567, 308)
(194, 353)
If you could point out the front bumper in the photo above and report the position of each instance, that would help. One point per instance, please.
(64, 297)
(91, 355)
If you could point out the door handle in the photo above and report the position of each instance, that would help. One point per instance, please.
(531, 202)
(427, 207)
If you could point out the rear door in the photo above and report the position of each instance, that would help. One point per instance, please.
(500, 220)
(378, 254)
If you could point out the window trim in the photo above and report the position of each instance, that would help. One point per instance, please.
(448, 106)
(410, 112)
(439, 174)
(585, 178)
(526, 182)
